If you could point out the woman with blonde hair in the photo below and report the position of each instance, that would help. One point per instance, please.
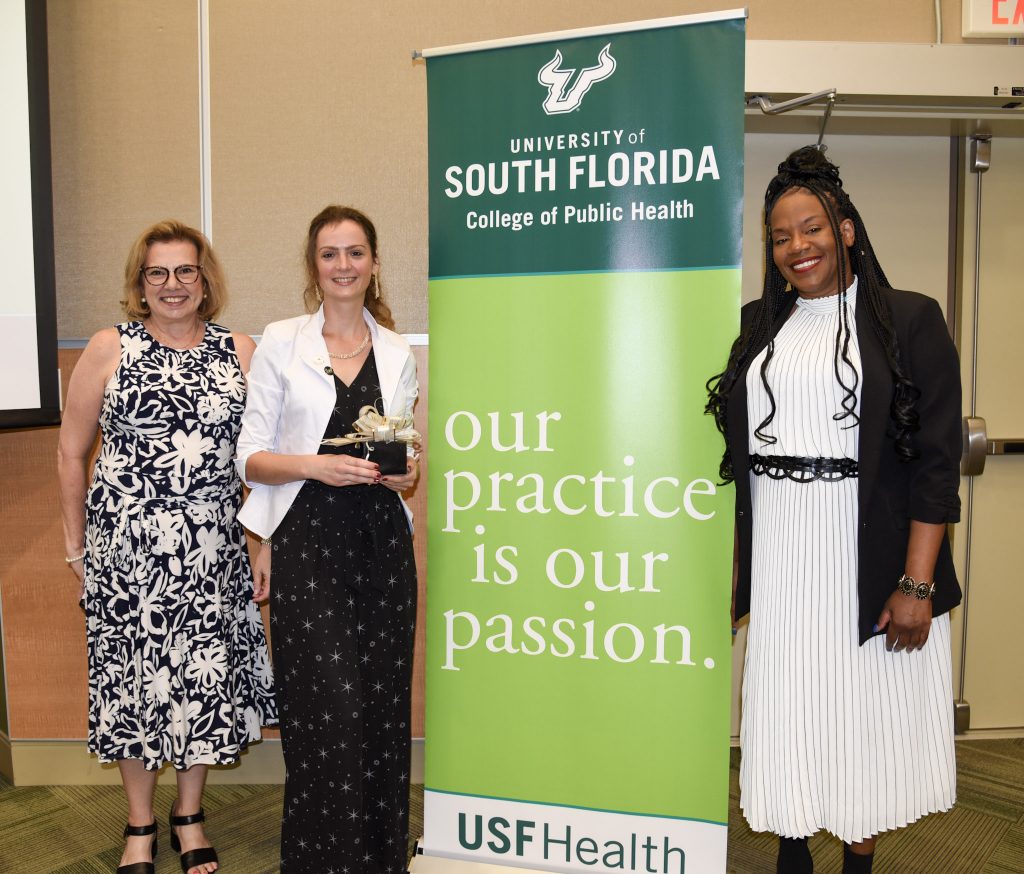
(178, 663)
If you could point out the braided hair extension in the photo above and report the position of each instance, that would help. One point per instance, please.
(809, 169)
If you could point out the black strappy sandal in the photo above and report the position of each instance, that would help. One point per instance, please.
(140, 831)
(190, 858)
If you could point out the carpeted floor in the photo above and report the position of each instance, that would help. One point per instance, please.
(77, 829)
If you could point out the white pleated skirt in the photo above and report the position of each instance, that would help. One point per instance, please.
(836, 736)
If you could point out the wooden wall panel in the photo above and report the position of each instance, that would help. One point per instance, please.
(44, 630)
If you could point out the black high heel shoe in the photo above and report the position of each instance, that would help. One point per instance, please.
(190, 858)
(140, 831)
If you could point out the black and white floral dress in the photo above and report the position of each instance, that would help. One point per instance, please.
(178, 664)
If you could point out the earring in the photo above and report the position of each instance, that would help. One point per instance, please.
(376, 287)
(145, 303)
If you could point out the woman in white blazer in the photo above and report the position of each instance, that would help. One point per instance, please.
(338, 538)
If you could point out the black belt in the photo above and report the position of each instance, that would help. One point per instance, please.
(803, 470)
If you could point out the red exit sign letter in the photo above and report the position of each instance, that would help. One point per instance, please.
(999, 6)
(993, 18)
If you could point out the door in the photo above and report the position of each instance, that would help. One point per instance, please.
(988, 546)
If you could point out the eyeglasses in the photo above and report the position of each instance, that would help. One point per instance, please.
(186, 274)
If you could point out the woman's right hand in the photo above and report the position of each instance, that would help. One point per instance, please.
(346, 470)
(78, 569)
(261, 573)
(77, 434)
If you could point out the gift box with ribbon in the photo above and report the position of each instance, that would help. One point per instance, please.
(385, 439)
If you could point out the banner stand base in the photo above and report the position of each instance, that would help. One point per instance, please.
(424, 864)
(444, 865)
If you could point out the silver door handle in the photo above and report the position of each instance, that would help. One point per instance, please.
(976, 444)
(1012, 446)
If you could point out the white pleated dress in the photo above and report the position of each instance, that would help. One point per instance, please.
(836, 736)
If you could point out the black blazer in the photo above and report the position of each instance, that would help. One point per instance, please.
(891, 492)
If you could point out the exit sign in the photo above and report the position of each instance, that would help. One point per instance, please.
(993, 18)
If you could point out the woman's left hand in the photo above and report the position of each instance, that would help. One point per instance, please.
(906, 620)
(403, 482)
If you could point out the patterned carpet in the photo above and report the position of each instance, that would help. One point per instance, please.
(77, 829)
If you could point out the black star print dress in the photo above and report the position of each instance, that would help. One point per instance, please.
(343, 613)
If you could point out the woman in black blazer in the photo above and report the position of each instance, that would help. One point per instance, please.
(840, 405)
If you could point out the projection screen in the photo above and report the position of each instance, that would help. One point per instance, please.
(29, 381)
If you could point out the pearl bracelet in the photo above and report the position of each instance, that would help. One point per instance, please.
(71, 559)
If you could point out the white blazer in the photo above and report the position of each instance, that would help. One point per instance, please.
(291, 397)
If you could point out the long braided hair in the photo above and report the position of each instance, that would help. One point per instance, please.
(808, 168)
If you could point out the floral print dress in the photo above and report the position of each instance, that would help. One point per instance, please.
(178, 664)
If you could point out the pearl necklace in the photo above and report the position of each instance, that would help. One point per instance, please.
(353, 353)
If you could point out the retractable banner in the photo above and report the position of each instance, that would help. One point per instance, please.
(585, 220)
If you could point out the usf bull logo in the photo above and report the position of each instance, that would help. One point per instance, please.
(563, 98)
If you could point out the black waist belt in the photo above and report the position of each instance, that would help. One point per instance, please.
(803, 470)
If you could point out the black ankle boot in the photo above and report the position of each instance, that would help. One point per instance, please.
(794, 857)
(854, 863)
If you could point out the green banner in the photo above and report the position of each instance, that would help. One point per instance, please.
(585, 217)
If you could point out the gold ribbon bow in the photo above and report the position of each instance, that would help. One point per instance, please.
(371, 425)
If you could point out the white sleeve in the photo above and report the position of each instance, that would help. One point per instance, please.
(409, 384)
(263, 404)
(410, 387)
